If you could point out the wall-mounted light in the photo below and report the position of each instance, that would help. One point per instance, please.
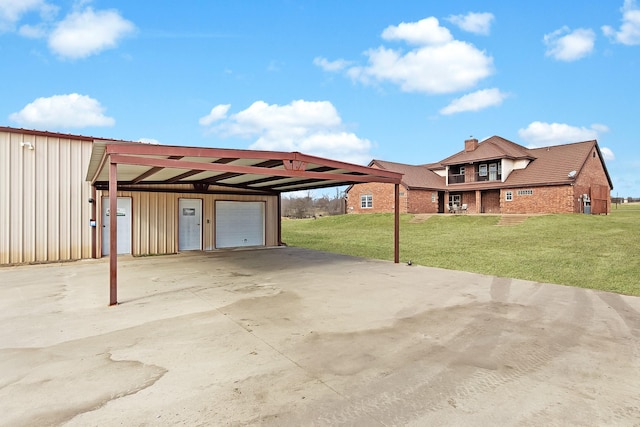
(27, 145)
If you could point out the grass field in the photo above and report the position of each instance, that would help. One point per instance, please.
(589, 251)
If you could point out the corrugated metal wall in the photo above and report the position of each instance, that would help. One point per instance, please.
(44, 209)
(155, 219)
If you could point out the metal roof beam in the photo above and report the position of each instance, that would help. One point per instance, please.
(191, 173)
(181, 164)
(151, 171)
(169, 150)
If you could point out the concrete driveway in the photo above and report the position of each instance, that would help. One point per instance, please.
(290, 336)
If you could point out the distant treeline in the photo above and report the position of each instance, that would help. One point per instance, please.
(619, 200)
(310, 207)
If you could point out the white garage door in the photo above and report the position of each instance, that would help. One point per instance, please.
(239, 224)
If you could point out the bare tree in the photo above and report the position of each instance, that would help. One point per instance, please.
(308, 207)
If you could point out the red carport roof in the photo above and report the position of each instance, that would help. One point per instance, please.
(130, 164)
(246, 170)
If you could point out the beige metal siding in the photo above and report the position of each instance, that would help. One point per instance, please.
(155, 219)
(44, 209)
(45, 212)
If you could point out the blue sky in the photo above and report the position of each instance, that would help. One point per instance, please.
(403, 81)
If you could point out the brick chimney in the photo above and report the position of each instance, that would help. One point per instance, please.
(470, 144)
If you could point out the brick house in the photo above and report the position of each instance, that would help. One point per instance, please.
(495, 176)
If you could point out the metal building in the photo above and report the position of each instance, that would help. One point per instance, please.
(55, 206)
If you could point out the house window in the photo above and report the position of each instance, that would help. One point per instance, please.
(461, 170)
(508, 196)
(366, 201)
(493, 172)
(483, 170)
(434, 197)
(454, 200)
(525, 192)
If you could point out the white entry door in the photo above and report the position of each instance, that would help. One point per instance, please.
(124, 225)
(190, 225)
(239, 224)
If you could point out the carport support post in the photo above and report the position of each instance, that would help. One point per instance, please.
(396, 225)
(279, 219)
(113, 233)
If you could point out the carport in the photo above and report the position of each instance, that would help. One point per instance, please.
(118, 166)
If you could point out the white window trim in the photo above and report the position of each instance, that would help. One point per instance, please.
(482, 171)
(508, 196)
(366, 201)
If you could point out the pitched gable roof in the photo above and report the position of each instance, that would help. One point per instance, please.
(413, 176)
(553, 165)
(494, 147)
(547, 166)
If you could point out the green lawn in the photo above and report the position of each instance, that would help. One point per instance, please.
(589, 251)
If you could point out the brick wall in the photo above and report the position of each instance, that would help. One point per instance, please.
(591, 174)
(490, 201)
(420, 201)
(469, 199)
(551, 199)
(383, 198)
(561, 198)
(411, 201)
(470, 172)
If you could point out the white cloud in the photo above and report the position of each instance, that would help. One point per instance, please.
(566, 45)
(33, 31)
(88, 32)
(12, 11)
(600, 128)
(475, 101)
(439, 64)
(541, 134)
(326, 65)
(629, 33)
(63, 111)
(424, 32)
(149, 141)
(218, 112)
(477, 23)
(306, 126)
(607, 153)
